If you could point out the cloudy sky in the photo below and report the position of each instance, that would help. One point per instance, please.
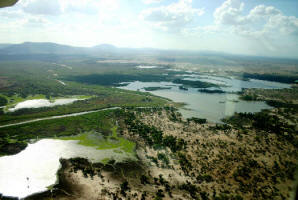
(252, 27)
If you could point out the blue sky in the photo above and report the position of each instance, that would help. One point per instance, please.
(251, 27)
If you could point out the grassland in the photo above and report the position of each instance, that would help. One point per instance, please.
(111, 141)
(14, 139)
(39, 80)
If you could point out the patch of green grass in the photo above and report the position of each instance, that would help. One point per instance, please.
(105, 161)
(84, 96)
(95, 139)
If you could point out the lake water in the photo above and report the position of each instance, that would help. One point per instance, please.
(38, 103)
(34, 169)
(213, 107)
(236, 85)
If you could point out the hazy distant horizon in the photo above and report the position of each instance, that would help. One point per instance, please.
(243, 27)
(221, 53)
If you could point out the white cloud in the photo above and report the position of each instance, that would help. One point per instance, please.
(36, 22)
(266, 26)
(229, 13)
(286, 25)
(42, 7)
(89, 6)
(151, 1)
(262, 11)
(172, 17)
(11, 14)
(263, 29)
(262, 21)
(58, 7)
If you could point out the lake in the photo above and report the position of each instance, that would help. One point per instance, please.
(34, 169)
(212, 107)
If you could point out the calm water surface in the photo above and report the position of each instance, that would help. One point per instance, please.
(213, 107)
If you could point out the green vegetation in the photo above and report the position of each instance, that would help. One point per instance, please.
(124, 187)
(112, 141)
(197, 120)
(151, 135)
(264, 121)
(163, 158)
(248, 97)
(110, 99)
(156, 88)
(183, 88)
(14, 138)
(184, 162)
(272, 77)
(204, 177)
(194, 84)
(211, 91)
(113, 79)
(39, 79)
(192, 189)
(15, 99)
(206, 159)
(3, 101)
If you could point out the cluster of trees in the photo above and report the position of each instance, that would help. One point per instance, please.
(3, 101)
(249, 97)
(124, 187)
(83, 165)
(163, 158)
(278, 104)
(113, 79)
(204, 177)
(26, 87)
(190, 188)
(211, 91)
(222, 127)
(266, 122)
(197, 120)
(11, 147)
(185, 164)
(156, 88)
(195, 84)
(151, 134)
(272, 77)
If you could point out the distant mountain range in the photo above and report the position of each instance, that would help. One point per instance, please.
(33, 49)
(4, 45)
(29, 48)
